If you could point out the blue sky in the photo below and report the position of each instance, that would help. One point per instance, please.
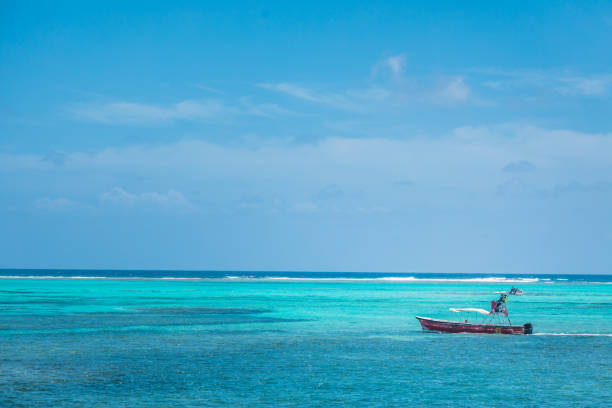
(345, 136)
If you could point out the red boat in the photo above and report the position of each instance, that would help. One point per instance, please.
(495, 322)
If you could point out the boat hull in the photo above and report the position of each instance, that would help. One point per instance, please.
(460, 327)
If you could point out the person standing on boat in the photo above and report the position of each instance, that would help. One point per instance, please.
(500, 305)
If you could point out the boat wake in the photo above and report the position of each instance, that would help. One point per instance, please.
(575, 334)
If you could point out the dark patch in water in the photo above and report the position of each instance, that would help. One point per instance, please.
(199, 310)
(149, 319)
(18, 291)
(64, 300)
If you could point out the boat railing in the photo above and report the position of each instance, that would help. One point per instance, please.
(481, 316)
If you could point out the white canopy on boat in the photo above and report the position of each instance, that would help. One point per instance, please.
(470, 309)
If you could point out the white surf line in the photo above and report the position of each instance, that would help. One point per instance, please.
(402, 279)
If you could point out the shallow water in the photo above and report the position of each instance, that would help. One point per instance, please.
(339, 341)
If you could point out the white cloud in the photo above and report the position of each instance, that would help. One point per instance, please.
(466, 161)
(483, 145)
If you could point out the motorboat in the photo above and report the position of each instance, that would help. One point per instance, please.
(493, 321)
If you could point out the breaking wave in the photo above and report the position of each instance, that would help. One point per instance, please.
(284, 278)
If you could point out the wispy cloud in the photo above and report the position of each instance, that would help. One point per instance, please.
(139, 113)
(171, 200)
(305, 207)
(453, 90)
(562, 82)
(403, 183)
(56, 204)
(578, 187)
(329, 192)
(406, 88)
(267, 110)
(393, 65)
(334, 100)
(209, 89)
(520, 166)
(54, 157)
(133, 113)
(515, 187)
(588, 86)
(390, 85)
(295, 91)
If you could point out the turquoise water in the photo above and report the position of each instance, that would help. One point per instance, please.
(280, 342)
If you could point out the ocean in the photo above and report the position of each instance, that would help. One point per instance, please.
(82, 338)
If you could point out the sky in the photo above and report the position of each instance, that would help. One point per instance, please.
(408, 136)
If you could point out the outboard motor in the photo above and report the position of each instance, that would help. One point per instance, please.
(528, 328)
